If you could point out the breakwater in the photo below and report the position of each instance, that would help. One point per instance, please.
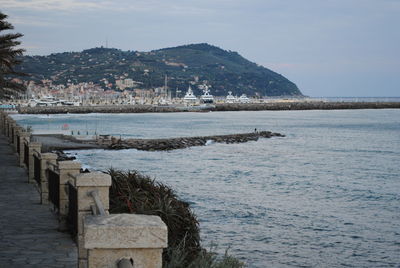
(58, 142)
(270, 106)
(180, 143)
(280, 106)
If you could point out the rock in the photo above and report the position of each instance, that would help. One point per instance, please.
(180, 143)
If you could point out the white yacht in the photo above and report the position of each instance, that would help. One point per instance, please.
(189, 96)
(230, 98)
(244, 99)
(207, 97)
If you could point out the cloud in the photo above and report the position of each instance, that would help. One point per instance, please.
(162, 7)
(43, 5)
(35, 21)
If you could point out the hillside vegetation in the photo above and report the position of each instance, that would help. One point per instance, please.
(223, 70)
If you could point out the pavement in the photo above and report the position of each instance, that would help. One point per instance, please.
(28, 229)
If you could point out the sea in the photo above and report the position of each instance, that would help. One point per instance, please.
(325, 195)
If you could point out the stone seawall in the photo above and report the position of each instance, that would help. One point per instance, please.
(180, 143)
(103, 109)
(57, 142)
(272, 106)
(278, 106)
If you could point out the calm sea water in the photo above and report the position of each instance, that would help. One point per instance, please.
(326, 195)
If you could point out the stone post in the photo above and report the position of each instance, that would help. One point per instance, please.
(44, 181)
(11, 131)
(8, 122)
(22, 137)
(140, 239)
(17, 132)
(32, 146)
(66, 170)
(5, 126)
(2, 117)
(85, 184)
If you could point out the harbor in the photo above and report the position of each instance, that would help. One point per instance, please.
(270, 106)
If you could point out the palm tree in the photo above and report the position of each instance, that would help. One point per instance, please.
(8, 59)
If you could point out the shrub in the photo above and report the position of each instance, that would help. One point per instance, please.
(132, 192)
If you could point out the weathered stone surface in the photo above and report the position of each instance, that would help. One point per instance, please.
(125, 231)
(142, 258)
(93, 179)
(69, 165)
(86, 200)
(32, 147)
(180, 143)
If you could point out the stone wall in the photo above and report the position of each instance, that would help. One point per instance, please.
(118, 240)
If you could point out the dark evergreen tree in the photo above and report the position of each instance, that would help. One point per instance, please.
(9, 54)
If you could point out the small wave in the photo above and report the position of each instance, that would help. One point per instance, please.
(209, 142)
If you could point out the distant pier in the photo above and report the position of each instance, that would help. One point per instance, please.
(55, 142)
(185, 142)
(268, 106)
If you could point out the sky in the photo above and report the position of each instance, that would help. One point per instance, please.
(329, 48)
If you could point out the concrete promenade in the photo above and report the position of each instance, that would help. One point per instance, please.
(28, 230)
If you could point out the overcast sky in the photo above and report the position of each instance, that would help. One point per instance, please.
(326, 47)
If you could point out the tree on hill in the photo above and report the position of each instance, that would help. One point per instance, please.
(8, 59)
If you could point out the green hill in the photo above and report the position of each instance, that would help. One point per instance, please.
(223, 70)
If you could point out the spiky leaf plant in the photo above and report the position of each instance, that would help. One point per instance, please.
(132, 192)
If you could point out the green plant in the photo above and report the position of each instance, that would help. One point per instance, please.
(132, 192)
(204, 259)
(9, 54)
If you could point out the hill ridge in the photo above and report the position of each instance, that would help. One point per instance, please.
(193, 64)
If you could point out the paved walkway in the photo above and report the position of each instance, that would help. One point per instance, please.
(28, 230)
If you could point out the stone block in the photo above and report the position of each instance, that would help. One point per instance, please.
(63, 191)
(82, 252)
(67, 165)
(142, 258)
(33, 146)
(86, 200)
(82, 264)
(119, 231)
(93, 179)
(81, 218)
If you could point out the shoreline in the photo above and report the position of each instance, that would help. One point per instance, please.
(272, 106)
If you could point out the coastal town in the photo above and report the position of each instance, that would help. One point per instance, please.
(47, 93)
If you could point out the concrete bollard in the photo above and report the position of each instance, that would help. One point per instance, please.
(22, 137)
(44, 181)
(66, 170)
(8, 122)
(5, 126)
(86, 184)
(12, 126)
(1, 122)
(17, 132)
(139, 238)
(32, 147)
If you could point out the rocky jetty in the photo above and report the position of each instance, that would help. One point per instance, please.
(185, 142)
(302, 105)
(270, 106)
